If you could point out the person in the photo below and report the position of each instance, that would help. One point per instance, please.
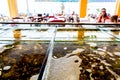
(114, 19)
(39, 18)
(72, 17)
(77, 18)
(115, 29)
(103, 16)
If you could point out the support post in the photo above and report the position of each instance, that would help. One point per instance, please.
(83, 8)
(117, 9)
(13, 10)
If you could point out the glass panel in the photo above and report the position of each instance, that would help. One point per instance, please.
(87, 33)
(69, 51)
(85, 61)
(23, 52)
(86, 52)
(21, 60)
(26, 32)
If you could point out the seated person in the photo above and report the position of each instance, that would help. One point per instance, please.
(115, 30)
(103, 16)
(114, 19)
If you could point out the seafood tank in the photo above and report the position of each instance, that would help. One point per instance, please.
(88, 52)
(22, 51)
(74, 52)
(21, 60)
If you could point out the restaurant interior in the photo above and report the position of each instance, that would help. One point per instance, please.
(60, 40)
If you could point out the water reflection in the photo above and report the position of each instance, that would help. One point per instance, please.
(115, 33)
(98, 62)
(81, 34)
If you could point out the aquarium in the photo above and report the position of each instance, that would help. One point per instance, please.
(22, 50)
(59, 51)
(88, 52)
(21, 60)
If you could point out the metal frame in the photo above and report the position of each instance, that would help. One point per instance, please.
(61, 23)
